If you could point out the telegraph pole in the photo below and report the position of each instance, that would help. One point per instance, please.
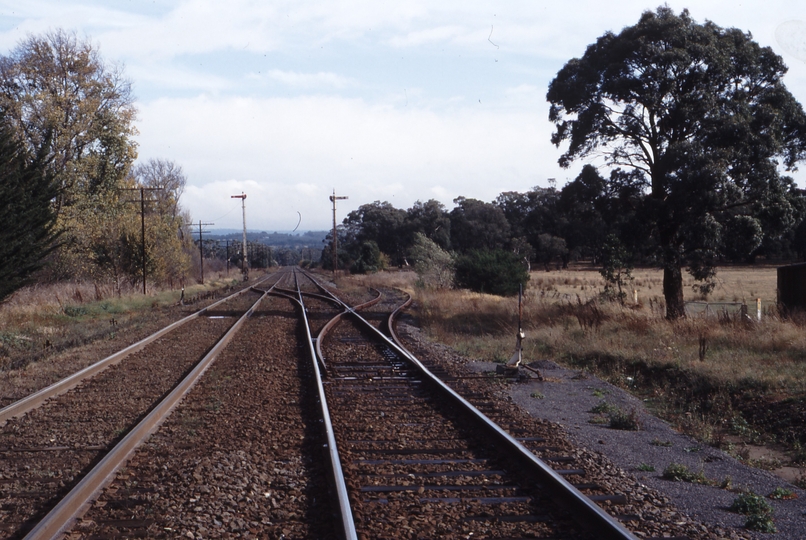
(244, 266)
(333, 199)
(143, 225)
(201, 249)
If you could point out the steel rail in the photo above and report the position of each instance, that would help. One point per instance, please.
(347, 531)
(32, 401)
(312, 295)
(332, 322)
(599, 521)
(80, 498)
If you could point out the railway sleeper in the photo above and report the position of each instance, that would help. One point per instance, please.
(438, 487)
(460, 500)
(443, 474)
(529, 518)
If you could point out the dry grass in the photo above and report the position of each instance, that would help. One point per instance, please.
(693, 370)
(565, 320)
(734, 284)
(403, 279)
(41, 319)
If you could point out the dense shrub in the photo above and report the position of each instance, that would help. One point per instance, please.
(491, 271)
(434, 265)
(369, 259)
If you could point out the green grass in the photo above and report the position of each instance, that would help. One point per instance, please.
(782, 494)
(658, 442)
(603, 407)
(758, 512)
(761, 523)
(646, 467)
(42, 320)
(749, 503)
(677, 472)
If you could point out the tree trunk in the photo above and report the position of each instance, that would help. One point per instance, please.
(673, 292)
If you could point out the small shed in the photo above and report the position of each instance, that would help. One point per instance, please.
(792, 287)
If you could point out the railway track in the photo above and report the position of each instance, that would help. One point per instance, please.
(279, 441)
(421, 464)
(52, 441)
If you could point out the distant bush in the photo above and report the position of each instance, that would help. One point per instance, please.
(749, 503)
(680, 473)
(369, 259)
(491, 271)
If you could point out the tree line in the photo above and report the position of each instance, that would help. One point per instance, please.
(70, 186)
(694, 132)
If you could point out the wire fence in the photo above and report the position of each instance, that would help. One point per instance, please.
(724, 310)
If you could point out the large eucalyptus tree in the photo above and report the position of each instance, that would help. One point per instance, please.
(703, 114)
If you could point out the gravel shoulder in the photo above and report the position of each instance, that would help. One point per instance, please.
(568, 396)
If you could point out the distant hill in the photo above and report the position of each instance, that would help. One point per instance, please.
(298, 239)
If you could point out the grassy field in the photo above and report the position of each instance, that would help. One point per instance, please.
(713, 374)
(734, 284)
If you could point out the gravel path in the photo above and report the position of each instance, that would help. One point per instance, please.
(415, 466)
(46, 451)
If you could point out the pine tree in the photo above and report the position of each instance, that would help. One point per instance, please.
(27, 219)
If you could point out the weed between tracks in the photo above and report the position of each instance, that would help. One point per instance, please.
(750, 384)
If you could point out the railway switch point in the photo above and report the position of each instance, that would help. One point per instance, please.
(516, 359)
(512, 368)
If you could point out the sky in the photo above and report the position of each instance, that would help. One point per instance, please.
(287, 101)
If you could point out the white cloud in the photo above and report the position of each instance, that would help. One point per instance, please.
(167, 76)
(295, 151)
(430, 35)
(307, 189)
(197, 27)
(309, 80)
(523, 89)
(440, 193)
(791, 36)
(443, 125)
